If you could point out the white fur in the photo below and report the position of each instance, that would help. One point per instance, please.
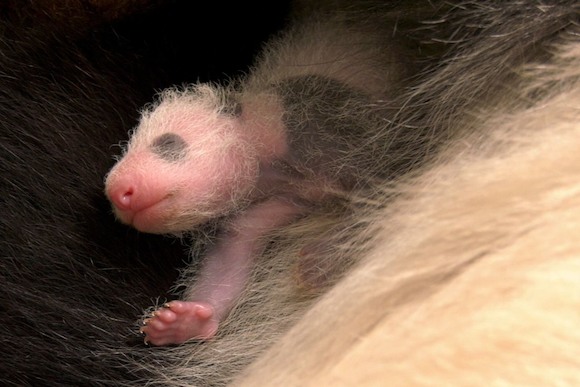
(474, 277)
(476, 281)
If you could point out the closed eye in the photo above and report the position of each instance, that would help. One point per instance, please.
(170, 147)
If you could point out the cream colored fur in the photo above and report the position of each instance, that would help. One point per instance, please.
(476, 280)
(474, 277)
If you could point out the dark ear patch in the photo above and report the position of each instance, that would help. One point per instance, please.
(232, 106)
(170, 147)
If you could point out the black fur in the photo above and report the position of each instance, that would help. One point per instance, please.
(73, 281)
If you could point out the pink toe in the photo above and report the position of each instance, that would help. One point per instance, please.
(204, 311)
(166, 315)
(176, 306)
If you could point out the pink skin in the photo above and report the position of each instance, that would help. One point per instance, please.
(222, 279)
(160, 196)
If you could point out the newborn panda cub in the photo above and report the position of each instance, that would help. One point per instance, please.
(208, 153)
(254, 155)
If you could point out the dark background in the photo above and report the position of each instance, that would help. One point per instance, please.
(73, 281)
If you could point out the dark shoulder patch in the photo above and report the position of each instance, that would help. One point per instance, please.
(315, 103)
(325, 125)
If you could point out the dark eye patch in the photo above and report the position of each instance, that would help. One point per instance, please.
(170, 147)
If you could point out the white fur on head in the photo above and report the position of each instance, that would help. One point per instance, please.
(219, 168)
